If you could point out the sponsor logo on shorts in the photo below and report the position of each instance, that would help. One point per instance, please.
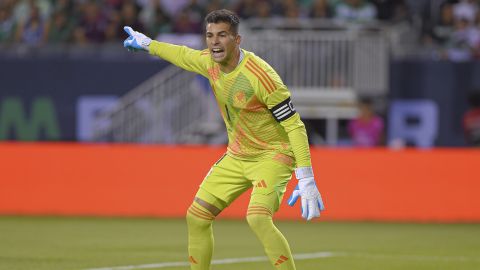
(192, 260)
(261, 184)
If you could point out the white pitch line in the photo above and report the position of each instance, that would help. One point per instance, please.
(416, 257)
(301, 256)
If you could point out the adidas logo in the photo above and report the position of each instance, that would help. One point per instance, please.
(192, 260)
(261, 184)
(281, 260)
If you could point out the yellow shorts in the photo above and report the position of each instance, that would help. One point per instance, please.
(230, 177)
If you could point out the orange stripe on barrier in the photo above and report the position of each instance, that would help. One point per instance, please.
(136, 180)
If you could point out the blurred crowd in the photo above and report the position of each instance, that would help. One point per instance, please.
(456, 31)
(454, 27)
(37, 22)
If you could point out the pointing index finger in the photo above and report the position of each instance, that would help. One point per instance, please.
(129, 30)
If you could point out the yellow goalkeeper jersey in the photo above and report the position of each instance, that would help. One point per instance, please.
(254, 102)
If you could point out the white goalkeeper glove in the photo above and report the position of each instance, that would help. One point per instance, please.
(312, 203)
(136, 40)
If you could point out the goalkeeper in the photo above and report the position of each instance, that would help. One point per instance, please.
(267, 140)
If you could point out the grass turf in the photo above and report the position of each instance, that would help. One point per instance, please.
(50, 243)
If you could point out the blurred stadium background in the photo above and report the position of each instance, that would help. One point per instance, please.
(101, 150)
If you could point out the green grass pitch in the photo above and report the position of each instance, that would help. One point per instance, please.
(50, 243)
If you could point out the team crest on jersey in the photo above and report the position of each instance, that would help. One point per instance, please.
(239, 99)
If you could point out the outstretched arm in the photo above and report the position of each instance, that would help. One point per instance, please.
(181, 56)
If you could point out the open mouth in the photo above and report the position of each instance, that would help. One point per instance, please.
(218, 52)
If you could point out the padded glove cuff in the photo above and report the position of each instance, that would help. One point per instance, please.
(303, 172)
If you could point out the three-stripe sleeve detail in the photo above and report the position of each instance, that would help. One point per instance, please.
(262, 76)
(283, 110)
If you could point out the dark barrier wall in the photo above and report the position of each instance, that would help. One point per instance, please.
(38, 97)
(446, 83)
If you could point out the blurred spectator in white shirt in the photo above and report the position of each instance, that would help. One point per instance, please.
(355, 11)
(23, 9)
(31, 30)
(464, 42)
(466, 10)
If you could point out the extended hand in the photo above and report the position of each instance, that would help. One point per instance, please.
(136, 40)
(312, 203)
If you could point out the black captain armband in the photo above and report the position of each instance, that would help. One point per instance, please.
(283, 110)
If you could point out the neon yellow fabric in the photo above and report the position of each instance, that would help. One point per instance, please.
(275, 245)
(231, 177)
(244, 97)
(211, 199)
(200, 237)
(299, 141)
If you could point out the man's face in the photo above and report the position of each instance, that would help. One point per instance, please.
(221, 42)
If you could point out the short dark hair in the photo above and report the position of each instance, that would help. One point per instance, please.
(225, 16)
